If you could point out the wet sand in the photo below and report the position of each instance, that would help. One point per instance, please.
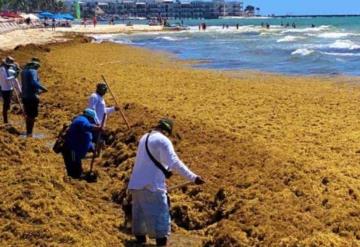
(280, 154)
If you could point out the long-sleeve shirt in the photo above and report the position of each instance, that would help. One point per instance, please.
(97, 103)
(79, 136)
(8, 80)
(145, 174)
(31, 85)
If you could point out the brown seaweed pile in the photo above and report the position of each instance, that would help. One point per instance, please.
(279, 154)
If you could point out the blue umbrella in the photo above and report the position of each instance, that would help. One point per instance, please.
(57, 16)
(46, 14)
(67, 16)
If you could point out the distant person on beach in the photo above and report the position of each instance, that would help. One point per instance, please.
(94, 21)
(312, 25)
(237, 26)
(294, 25)
(267, 26)
(31, 88)
(155, 159)
(204, 26)
(85, 21)
(53, 24)
(28, 21)
(78, 142)
(8, 82)
(97, 103)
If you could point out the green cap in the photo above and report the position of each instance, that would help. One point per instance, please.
(166, 124)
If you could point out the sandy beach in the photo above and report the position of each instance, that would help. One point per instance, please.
(10, 40)
(280, 154)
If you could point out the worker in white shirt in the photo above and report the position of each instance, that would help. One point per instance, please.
(97, 103)
(155, 161)
(8, 81)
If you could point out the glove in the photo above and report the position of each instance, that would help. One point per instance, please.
(199, 180)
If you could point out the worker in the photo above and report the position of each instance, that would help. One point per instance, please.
(31, 88)
(79, 141)
(8, 82)
(155, 161)
(97, 103)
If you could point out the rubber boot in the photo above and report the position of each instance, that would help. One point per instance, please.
(161, 242)
(29, 126)
(5, 116)
(140, 239)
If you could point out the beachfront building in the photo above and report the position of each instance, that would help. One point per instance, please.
(172, 9)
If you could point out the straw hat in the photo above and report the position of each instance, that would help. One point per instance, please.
(8, 60)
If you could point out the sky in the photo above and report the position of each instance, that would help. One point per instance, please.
(280, 7)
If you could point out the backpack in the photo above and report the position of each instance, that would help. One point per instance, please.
(60, 145)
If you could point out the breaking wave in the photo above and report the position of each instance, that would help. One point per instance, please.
(289, 38)
(302, 52)
(344, 44)
(333, 35)
(168, 38)
(339, 54)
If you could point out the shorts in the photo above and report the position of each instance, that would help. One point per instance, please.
(150, 213)
(31, 107)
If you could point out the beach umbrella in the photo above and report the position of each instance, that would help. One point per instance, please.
(46, 14)
(58, 16)
(67, 16)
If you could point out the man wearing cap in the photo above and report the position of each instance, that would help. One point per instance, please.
(8, 81)
(97, 103)
(31, 88)
(78, 141)
(155, 159)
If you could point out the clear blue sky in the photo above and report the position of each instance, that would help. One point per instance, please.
(306, 6)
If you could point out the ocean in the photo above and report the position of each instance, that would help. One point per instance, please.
(331, 47)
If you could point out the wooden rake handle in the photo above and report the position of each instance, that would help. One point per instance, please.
(122, 113)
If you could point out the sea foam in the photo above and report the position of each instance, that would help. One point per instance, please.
(168, 38)
(302, 52)
(289, 38)
(333, 35)
(344, 44)
(338, 54)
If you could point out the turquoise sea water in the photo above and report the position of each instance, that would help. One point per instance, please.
(331, 47)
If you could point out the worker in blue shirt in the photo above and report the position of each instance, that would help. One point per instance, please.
(79, 141)
(31, 88)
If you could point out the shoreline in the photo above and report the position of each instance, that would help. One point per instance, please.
(42, 36)
(10, 41)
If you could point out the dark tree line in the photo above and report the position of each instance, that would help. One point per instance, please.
(32, 5)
